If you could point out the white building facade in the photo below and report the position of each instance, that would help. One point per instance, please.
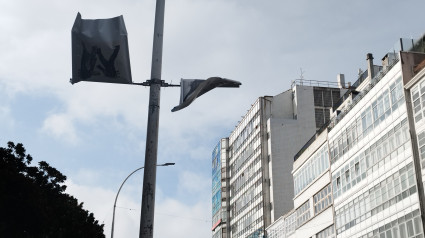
(373, 169)
(313, 192)
(261, 151)
(373, 182)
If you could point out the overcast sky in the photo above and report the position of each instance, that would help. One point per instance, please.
(95, 133)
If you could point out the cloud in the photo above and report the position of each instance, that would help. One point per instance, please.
(262, 44)
(87, 176)
(175, 219)
(61, 126)
(5, 117)
(172, 217)
(194, 184)
(95, 106)
(47, 67)
(97, 200)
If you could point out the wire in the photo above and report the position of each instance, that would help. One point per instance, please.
(170, 215)
(188, 218)
(131, 209)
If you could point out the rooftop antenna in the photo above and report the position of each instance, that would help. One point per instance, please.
(302, 74)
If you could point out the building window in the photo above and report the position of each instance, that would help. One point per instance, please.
(322, 199)
(290, 223)
(368, 161)
(303, 213)
(369, 118)
(396, 90)
(387, 193)
(329, 232)
(313, 168)
(347, 176)
(367, 121)
(417, 107)
(421, 142)
(357, 168)
(406, 226)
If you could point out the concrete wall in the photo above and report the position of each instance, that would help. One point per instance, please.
(286, 137)
(282, 106)
(305, 107)
(281, 148)
(409, 60)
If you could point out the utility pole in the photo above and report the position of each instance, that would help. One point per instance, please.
(149, 178)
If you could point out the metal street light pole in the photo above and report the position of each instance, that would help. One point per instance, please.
(155, 83)
(119, 190)
(149, 178)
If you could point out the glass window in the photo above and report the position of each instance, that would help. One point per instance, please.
(347, 176)
(303, 213)
(403, 181)
(357, 168)
(316, 165)
(386, 100)
(395, 232)
(396, 91)
(366, 120)
(418, 225)
(359, 125)
(410, 231)
(327, 233)
(322, 199)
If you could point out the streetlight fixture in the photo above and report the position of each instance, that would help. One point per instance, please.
(119, 190)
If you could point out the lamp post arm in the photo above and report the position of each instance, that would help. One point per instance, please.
(119, 190)
(116, 197)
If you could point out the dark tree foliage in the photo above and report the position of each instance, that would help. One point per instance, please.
(33, 202)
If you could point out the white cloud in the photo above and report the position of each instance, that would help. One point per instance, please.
(6, 118)
(47, 67)
(194, 183)
(97, 200)
(172, 217)
(61, 126)
(263, 44)
(88, 176)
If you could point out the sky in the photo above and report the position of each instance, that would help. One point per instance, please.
(95, 133)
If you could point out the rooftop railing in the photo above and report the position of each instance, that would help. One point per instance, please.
(314, 83)
(335, 120)
(403, 45)
(361, 78)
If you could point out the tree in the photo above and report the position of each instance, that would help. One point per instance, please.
(33, 202)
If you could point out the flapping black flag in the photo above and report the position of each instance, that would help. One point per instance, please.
(100, 51)
(193, 88)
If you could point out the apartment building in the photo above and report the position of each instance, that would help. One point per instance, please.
(374, 170)
(375, 144)
(261, 150)
(220, 183)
